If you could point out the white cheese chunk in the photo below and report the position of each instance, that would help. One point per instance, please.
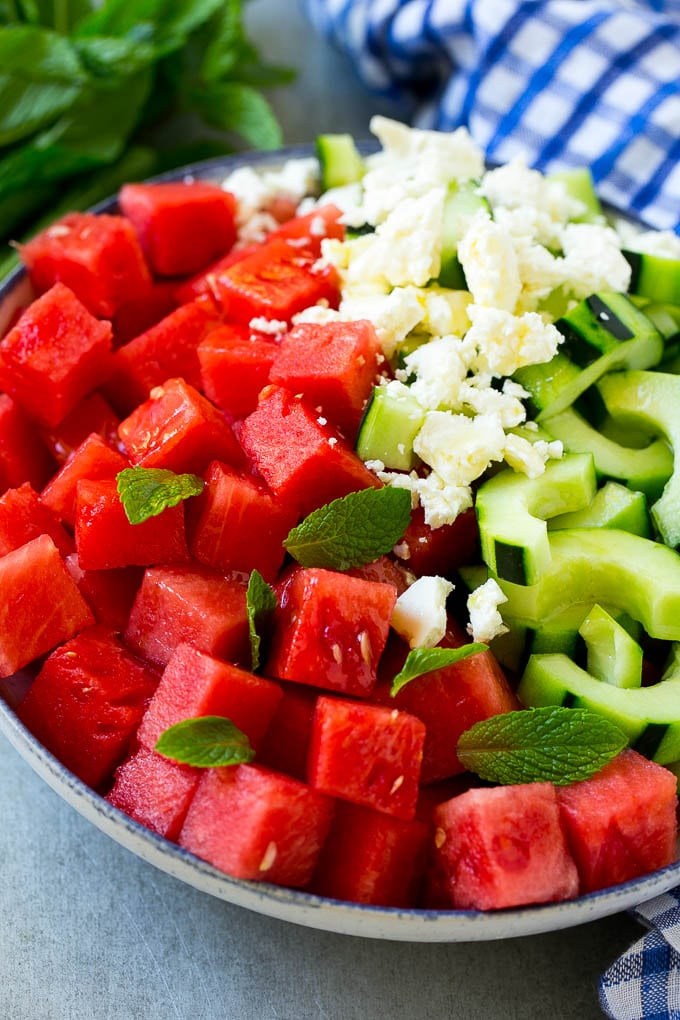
(487, 255)
(459, 448)
(420, 612)
(486, 622)
(506, 342)
(593, 259)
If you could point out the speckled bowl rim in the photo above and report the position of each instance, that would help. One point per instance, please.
(293, 905)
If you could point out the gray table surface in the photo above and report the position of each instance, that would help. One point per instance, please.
(90, 932)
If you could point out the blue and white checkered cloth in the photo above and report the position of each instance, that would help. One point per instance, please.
(565, 82)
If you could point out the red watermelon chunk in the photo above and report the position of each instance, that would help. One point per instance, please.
(182, 226)
(93, 460)
(24, 516)
(204, 282)
(155, 791)
(440, 551)
(621, 823)
(366, 754)
(235, 364)
(330, 630)
(93, 414)
(105, 538)
(40, 605)
(195, 605)
(141, 313)
(238, 524)
(504, 847)
(97, 256)
(300, 457)
(166, 350)
(371, 857)
(23, 458)
(109, 593)
(286, 741)
(257, 824)
(194, 684)
(56, 353)
(333, 366)
(86, 703)
(310, 229)
(178, 429)
(275, 282)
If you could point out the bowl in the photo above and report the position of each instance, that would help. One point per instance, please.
(298, 907)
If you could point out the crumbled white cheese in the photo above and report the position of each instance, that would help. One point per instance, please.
(486, 622)
(662, 243)
(530, 458)
(593, 259)
(445, 311)
(440, 367)
(273, 327)
(487, 255)
(394, 315)
(459, 448)
(420, 612)
(545, 202)
(506, 342)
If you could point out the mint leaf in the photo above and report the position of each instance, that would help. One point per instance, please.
(234, 106)
(425, 660)
(206, 742)
(351, 531)
(260, 604)
(147, 492)
(552, 744)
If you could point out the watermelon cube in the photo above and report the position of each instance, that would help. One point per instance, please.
(621, 823)
(333, 366)
(309, 230)
(442, 550)
(204, 282)
(286, 742)
(366, 754)
(193, 605)
(24, 516)
(178, 429)
(275, 282)
(330, 630)
(182, 226)
(56, 353)
(93, 414)
(238, 524)
(109, 593)
(40, 605)
(300, 457)
(371, 857)
(105, 538)
(504, 846)
(155, 791)
(86, 703)
(235, 364)
(141, 313)
(257, 824)
(93, 460)
(97, 256)
(165, 351)
(23, 458)
(194, 684)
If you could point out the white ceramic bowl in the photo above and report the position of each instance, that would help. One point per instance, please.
(288, 904)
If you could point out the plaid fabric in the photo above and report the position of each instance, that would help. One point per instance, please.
(644, 983)
(565, 82)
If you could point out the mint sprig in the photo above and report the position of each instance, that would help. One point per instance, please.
(206, 742)
(147, 492)
(552, 744)
(425, 660)
(260, 604)
(351, 531)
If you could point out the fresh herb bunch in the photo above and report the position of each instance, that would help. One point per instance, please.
(86, 85)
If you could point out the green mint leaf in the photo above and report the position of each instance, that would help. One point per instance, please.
(351, 531)
(206, 742)
(147, 492)
(233, 106)
(552, 744)
(425, 660)
(260, 604)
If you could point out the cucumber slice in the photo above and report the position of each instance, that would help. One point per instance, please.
(652, 399)
(613, 506)
(340, 161)
(646, 470)
(613, 655)
(512, 508)
(462, 203)
(579, 184)
(600, 324)
(653, 276)
(389, 426)
(612, 568)
(649, 716)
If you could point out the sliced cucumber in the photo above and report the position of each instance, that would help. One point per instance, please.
(600, 324)
(613, 655)
(652, 399)
(389, 426)
(512, 508)
(462, 203)
(613, 506)
(340, 161)
(649, 716)
(654, 276)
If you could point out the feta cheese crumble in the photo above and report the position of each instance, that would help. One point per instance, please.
(419, 614)
(486, 623)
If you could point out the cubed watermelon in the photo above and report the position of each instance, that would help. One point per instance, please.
(110, 594)
(311, 228)
(286, 742)
(440, 551)
(257, 824)
(93, 414)
(93, 460)
(155, 791)
(621, 823)
(23, 458)
(24, 516)
(235, 364)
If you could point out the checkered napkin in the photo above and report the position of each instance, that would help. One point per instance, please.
(644, 983)
(566, 82)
